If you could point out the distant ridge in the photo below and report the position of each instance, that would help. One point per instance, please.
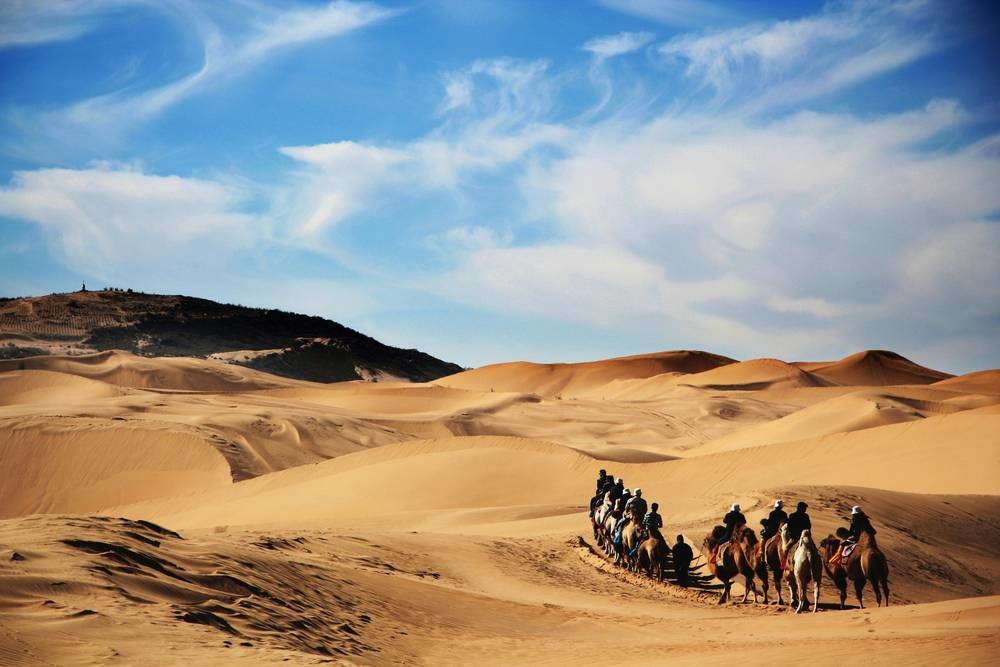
(578, 378)
(153, 325)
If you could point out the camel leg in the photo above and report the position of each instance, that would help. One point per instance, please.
(859, 586)
(885, 589)
(725, 591)
(878, 593)
(750, 586)
(793, 592)
(816, 595)
(801, 584)
(777, 586)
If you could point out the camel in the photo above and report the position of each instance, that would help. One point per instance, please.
(807, 565)
(769, 556)
(866, 563)
(599, 515)
(631, 534)
(735, 560)
(653, 553)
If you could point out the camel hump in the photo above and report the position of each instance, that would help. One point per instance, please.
(718, 532)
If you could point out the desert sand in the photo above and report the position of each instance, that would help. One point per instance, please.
(165, 511)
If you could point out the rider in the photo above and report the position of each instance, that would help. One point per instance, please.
(617, 489)
(598, 494)
(636, 506)
(798, 521)
(734, 517)
(619, 509)
(860, 523)
(774, 520)
(652, 520)
(603, 475)
(683, 556)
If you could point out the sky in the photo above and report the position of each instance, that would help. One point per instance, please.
(498, 180)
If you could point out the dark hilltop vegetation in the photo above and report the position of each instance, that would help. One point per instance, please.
(287, 344)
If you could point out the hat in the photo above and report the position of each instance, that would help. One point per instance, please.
(618, 480)
(637, 492)
(735, 507)
(778, 504)
(857, 510)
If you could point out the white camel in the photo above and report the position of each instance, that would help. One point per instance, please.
(807, 565)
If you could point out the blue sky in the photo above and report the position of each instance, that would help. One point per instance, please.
(490, 181)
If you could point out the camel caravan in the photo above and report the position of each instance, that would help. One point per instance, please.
(629, 532)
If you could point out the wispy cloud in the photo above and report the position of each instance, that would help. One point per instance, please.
(111, 221)
(680, 13)
(32, 22)
(617, 45)
(787, 62)
(234, 37)
(494, 121)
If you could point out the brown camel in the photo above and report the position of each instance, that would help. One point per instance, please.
(866, 563)
(806, 566)
(769, 556)
(735, 560)
(631, 534)
(653, 553)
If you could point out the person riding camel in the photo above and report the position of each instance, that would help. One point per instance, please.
(617, 489)
(798, 521)
(619, 511)
(636, 506)
(652, 520)
(734, 518)
(772, 524)
(682, 559)
(599, 491)
(651, 523)
(860, 523)
(603, 475)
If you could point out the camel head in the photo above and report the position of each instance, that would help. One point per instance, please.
(830, 543)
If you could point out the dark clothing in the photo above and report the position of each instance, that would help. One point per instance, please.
(773, 522)
(616, 491)
(860, 523)
(733, 519)
(682, 560)
(652, 520)
(797, 522)
(600, 483)
(609, 483)
(638, 506)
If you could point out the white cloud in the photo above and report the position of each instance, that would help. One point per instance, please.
(684, 13)
(617, 45)
(234, 38)
(31, 22)
(495, 124)
(111, 222)
(785, 62)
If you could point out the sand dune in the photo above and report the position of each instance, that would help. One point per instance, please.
(851, 412)
(568, 380)
(875, 368)
(754, 374)
(38, 387)
(398, 523)
(177, 373)
(981, 382)
(58, 464)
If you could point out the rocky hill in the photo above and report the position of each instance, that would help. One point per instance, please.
(287, 344)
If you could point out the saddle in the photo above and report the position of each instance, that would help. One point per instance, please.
(849, 548)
